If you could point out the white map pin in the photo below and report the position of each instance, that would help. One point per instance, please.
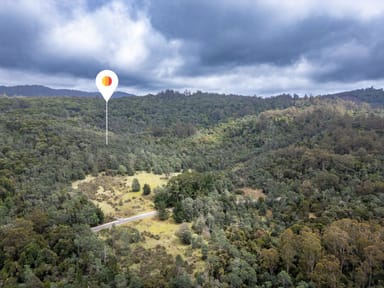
(106, 82)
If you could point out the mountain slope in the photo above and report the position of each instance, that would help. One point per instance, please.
(372, 96)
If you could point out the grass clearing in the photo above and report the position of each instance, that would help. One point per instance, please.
(166, 230)
(113, 193)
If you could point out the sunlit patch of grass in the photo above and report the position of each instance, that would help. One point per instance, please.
(113, 193)
(105, 207)
(166, 232)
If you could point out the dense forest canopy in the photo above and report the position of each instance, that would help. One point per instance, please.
(317, 161)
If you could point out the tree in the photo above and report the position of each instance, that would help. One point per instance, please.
(288, 248)
(188, 209)
(284, 279)
(242, 274)
(184, 234)
(337, 242)
(146, 189)
(270, 259)
(163, 212)
(327, 272)
(374, 258)
(120, 281)
(135, 185)
(181, 281)
(135, 282)
(310, 250)
(178, 213)
(204, 251)
(30, 279)
(122, 169)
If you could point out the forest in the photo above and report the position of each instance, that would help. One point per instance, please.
(317, 162)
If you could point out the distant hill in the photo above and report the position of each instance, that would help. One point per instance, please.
(373, 96)
(43, 91)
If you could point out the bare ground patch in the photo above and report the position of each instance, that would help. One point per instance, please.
(253, 193)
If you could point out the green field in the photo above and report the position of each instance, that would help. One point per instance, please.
(113, 193)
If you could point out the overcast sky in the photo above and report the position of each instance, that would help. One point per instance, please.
(249, 47)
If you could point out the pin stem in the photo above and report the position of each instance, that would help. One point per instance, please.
(106, 122)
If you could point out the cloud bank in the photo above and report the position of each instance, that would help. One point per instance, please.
(244, 46)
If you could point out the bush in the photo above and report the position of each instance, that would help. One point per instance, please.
(135, 185)
(146, 189)
(184, 234)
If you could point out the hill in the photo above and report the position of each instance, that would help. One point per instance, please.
(372, 96)
(42, 91)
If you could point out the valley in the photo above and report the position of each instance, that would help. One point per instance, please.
(276, 192)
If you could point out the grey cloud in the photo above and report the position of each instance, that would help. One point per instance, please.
(225, 37)
(18, 39)
(25, 45)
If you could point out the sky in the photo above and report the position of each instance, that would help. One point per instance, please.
(247, 47)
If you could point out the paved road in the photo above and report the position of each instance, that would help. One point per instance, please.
(124, 220)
